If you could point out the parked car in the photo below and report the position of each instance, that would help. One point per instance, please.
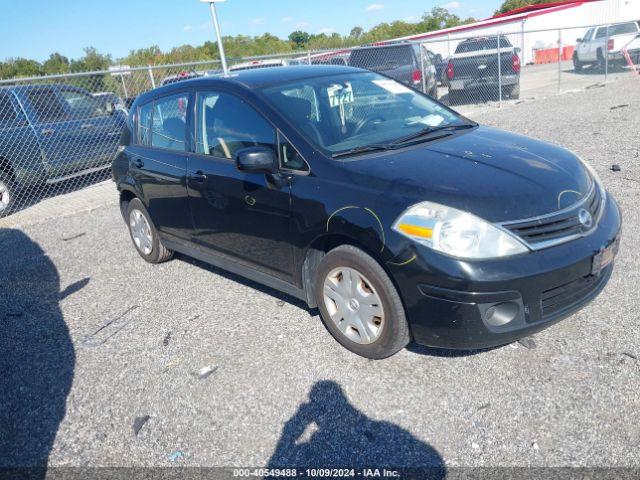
(272, 62)
(440, 64)
(602, 42)
(186, 75)
(474, 71)
(395, 216)
(400, 61)
(52, 133)
(114, 99)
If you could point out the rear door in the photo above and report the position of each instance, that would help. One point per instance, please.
(158, 161)
(244, 215)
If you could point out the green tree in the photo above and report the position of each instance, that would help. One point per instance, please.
(299, 39)
(356, 32)
(509, 5)
(56, 64)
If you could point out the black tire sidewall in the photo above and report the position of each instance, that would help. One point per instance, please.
(154, 256)
(395, 334)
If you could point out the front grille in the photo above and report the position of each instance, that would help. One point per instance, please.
(565, 224)
(566, 297)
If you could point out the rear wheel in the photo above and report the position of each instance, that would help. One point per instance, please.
(144, 234)
(454, 97)
(359, 304)
(512, 92)
(7, 194)
(602, 63)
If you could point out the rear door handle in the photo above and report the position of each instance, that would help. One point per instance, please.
(199, 176)
(138, 163)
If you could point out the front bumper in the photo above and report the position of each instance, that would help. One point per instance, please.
(449, 302)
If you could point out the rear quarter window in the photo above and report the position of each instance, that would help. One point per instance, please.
(380, 57)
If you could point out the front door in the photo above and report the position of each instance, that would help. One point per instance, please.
(243, 215)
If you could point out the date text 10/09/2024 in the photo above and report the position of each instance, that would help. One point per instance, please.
(316, 473)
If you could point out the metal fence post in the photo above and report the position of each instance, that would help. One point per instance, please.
(499, 73)
(559, 60)
(606, 56)
(422, 74)
(308, 57)
(153, 80)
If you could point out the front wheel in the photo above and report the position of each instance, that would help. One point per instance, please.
(359, 304)
(577, 64)
(7, 194)
(144, 234)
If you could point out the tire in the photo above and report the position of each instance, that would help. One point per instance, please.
(434, 93)
(454, 97)
(372, 296)
(512, 92)
(144, 235)
(577, 64)
(602, 63)
(7, 194)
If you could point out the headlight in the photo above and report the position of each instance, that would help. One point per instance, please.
(595, 177)
(456, 233)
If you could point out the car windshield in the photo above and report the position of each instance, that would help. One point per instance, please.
(340, 113)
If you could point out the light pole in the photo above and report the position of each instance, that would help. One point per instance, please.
(214, 15)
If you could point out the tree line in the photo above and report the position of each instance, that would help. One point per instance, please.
(240, 46)
(236, 47)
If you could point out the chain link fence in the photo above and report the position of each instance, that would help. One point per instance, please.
(60, 133)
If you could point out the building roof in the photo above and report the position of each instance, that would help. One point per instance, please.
(516, 15)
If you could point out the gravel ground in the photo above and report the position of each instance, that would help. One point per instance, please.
(234, 374)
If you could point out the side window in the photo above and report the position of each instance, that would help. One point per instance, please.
(290, 158)
(7, 112)
(226, 124)
(144, 124)
(83, 105)
(602, 32)
(588, 35)
(47, 105)
(168, 125)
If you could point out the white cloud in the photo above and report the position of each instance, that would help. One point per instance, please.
(326, 31)
(257, 21)
(374, 6)
(302, 24)
(452, 5)
(187, 28)
(286, 19)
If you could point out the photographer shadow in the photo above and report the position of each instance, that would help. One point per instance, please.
(37, 357)
(329, 432)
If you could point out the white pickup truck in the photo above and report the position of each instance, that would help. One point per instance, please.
(604, 44)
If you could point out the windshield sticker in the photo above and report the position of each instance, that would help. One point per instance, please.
(392, 86)
(432, 120)
(340, 94)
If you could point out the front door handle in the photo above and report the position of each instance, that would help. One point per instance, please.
(199, 176)
(138, 163)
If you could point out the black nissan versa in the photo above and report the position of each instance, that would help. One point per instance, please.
(395, 216)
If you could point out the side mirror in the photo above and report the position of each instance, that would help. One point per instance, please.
(110, 108)
(257, 159)
(517, 50)
(579, 40)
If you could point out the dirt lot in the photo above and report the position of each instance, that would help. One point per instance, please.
(233, 374)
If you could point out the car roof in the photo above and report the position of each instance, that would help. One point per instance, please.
(257, 78)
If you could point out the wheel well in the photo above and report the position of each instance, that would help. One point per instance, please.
(6, 167)
(318, 249)
(125, 197)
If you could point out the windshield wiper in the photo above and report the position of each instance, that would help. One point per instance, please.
(428, 131)
(374, 147)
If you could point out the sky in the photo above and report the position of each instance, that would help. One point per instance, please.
(36, 28)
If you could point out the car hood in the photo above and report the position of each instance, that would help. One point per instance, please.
(496, 175)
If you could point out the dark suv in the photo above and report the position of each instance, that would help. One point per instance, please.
(392, 214)
(408, 63)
